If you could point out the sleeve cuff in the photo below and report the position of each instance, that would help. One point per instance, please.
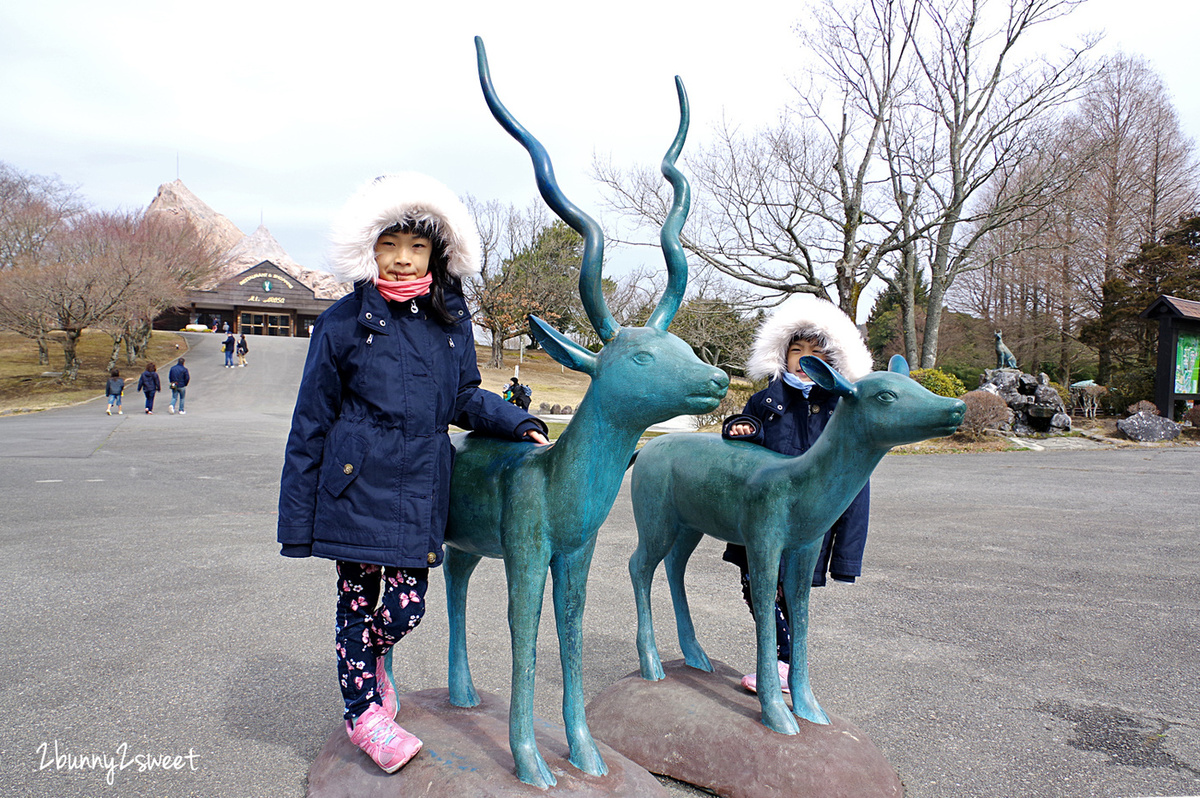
(531, 423)
(296, 550)
(741, 419)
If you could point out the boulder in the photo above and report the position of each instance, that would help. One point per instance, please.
(1148, 428)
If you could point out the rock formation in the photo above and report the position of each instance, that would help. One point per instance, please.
(1036, 405)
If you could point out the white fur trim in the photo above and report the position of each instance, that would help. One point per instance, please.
(390, 199)
(809, 317)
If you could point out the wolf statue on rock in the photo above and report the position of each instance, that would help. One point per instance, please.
(539, 508)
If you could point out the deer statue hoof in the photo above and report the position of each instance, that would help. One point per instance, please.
(532, 769)
(586, 757)
(777, 718)
(698, 660)
(806, 706)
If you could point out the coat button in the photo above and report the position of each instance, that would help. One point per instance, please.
(383, 322)
(368, 317)
(348, 469)
(814, 409)
(432, 557)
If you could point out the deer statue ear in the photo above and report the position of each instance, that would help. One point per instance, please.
(898, 365)
(824, 375)
(561, 348)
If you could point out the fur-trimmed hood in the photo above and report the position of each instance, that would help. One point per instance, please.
(809, 317)
(391, 199)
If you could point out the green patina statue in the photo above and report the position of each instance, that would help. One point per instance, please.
(689, 485)
(538, 508)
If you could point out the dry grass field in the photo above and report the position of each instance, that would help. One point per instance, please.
(27, 386)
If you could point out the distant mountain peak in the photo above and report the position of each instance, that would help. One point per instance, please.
(241, 251)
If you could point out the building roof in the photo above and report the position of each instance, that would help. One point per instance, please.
(1172, 306)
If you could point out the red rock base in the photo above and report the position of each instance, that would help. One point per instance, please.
(705, 729)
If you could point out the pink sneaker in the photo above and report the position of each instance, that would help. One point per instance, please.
(750, 681)
(387, 692)
(382, 739)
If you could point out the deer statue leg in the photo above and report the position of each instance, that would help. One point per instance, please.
(570, 572)
(676, 563)
(764, 579)
(797, 585)
(525, 565)
(459, 565)
(654, 541)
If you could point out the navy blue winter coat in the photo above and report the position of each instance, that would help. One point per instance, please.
(366, 475)
(179, 375)
(788, 423)
(149, 382)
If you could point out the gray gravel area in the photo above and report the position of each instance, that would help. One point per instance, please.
(1027, 623)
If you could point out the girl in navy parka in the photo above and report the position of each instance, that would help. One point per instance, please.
(366, 478)
(788, 416)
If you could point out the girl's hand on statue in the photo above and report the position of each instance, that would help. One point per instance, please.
(741, 429)
(537, 437)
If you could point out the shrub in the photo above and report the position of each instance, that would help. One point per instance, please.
(1063, 391)
(1127, 386)
(1142, 407)
(1193, 416)
(985, 410)
(939, 382)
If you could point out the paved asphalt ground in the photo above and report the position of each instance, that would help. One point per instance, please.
(1027, 624)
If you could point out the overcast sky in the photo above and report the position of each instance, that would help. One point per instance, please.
(278, 111)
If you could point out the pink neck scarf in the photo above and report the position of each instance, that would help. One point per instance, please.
(404, 290)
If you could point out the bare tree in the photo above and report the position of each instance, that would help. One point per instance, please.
(32, 209)
(529, 265)
(973, 126)
(932, 110)
(798, 207)
(1143, 179)
(117, 270)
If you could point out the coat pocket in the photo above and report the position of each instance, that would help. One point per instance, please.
(344, 464)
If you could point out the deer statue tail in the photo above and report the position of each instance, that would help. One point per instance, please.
(677, 269)
(590, 291)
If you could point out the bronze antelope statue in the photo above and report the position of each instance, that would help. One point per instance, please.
(686, 486)
(539, 508)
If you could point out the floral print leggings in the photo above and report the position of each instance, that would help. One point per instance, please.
(367, 627)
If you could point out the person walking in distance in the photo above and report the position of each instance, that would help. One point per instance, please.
(228, 347)
(179, 378)
(150, 384)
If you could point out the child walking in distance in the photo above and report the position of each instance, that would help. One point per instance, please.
(150, 384)
(366, 475)
(787, 417)
(113, 389)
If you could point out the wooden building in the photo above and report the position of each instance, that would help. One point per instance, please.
(262, 300)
